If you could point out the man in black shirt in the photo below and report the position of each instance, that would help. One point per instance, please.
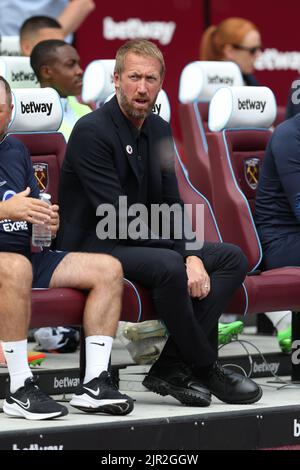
(20, 270)
(122, 150)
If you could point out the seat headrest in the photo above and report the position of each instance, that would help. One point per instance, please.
(98, 81)
(242, 107)
(162, 106)
(10, 46)
(18, 72)
(199, 80)
(36, 110)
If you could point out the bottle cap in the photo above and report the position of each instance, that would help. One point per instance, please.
(45, 196)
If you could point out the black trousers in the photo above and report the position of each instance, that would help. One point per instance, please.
(191, 322)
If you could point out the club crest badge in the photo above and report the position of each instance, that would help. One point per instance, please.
(41, 174)
(251, 171)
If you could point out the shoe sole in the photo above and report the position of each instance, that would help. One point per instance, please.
(133, 334)
(248, 401)
(185, 397)
(12, 409)
(119, 409)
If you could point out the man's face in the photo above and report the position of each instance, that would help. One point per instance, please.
(65, 73)
(5, 111)
(43, 34)
(138, 86)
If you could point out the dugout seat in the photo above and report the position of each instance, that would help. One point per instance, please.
(240, 120)
(198, 82)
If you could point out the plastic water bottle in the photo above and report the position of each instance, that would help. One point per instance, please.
(41, 233)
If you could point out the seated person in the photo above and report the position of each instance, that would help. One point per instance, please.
(57, 65)
(277, 205)
(100, 275)
(36, 29)
(124, 150)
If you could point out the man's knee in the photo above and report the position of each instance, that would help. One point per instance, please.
(109, 270)
(171, 267)
(238, 259)
(15, 270)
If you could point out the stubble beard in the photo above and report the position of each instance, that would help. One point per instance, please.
(129, 109)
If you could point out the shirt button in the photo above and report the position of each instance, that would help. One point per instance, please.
(139, 158)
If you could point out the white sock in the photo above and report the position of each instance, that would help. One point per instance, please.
(97, 349)
(15, 353)
(281, 320)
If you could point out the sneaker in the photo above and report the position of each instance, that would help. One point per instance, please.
(145, 329)
(31, 403)
(285, 340)
(227, 330)
(102, 395)
(34, 358)
(57, 340)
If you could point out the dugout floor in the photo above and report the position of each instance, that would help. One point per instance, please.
(161, 422)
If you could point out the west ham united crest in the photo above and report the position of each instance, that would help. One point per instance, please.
(251, 170)
(41, 174)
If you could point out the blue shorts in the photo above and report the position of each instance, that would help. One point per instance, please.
(44, 265)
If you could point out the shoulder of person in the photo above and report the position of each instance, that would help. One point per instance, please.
(14, 143)
(287, 135)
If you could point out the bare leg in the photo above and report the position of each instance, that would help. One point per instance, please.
(102, 276)
(15, 294)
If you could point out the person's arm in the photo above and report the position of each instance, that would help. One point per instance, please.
(22, 207)
(74, 14)
(285, 146)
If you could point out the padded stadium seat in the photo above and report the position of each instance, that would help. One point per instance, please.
(198, 82)
(231, 146)
(10, 46)
(18, 72)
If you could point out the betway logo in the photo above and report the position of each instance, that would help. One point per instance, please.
(266, 367)
(37, 447)
(251, 104)
(134, 28)
(23, 76)
(217, 80)
(156, 109)
(66, 382)
(33, 107)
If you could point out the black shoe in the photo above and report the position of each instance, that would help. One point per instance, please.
(176, 380)
(31, 403)
(230, 386)
(102, 395)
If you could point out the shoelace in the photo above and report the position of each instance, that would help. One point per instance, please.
(218, 370)
(110, 381)
(33, 391)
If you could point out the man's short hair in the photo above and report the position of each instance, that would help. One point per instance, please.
(45, 53)
(140, 47)
(7, 89)
(35, 23)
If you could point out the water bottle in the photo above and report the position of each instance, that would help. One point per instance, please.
(41, 233)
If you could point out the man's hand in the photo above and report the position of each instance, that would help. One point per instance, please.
(54, 220)
(22, 207)
(198, 279)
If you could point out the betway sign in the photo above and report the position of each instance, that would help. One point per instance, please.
(133, 28)
(272, 59)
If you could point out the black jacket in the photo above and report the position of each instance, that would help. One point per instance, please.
(98, 168)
